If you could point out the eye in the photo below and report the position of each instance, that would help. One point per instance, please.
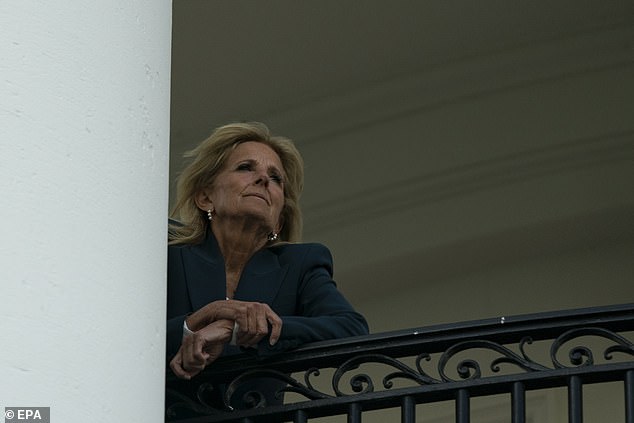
(244, 166)
(276, 177)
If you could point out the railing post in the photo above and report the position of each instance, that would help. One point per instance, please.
(518, 403)
(300, 417)
(575, 400)
(462, 406)
(629, 396)
(408, 410)
(354, 413)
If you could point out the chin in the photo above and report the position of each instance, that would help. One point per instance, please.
(258, 217)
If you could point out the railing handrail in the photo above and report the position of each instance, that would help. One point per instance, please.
(432, 339)
(432, 378)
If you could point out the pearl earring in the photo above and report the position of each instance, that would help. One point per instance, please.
(210, 216)
(273, 236)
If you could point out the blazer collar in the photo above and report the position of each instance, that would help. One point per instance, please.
(260, 280)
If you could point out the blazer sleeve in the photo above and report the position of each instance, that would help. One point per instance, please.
(322, 312)
(178, 303)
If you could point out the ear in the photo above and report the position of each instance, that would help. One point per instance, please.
(203, 201)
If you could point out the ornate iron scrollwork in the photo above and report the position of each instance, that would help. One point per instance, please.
(256, 399)
(360, 382)
(470, 368)
(582, 355)
(180, 402)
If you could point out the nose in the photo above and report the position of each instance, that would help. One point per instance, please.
(262, 179)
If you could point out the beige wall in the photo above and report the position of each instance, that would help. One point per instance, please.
(515, 201)
(480, 164)
(562, 280)
(512, 201)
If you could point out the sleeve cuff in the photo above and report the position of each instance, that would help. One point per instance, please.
(186, 330)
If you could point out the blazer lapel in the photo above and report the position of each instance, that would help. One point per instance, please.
(206, 279)
(261, 278)
(205, 274)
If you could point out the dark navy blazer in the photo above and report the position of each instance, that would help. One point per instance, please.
(295, 280)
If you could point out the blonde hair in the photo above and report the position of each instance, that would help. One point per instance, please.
(208, 159)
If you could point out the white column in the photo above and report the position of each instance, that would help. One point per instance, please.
(84, 128)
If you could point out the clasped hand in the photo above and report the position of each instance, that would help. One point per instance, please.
(213, 327)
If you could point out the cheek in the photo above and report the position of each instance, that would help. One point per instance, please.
(227, 190)
(279, 198)
(277, 203)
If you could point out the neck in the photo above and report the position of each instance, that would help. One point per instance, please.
(238, 243)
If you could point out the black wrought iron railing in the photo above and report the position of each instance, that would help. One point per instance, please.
(453, 362)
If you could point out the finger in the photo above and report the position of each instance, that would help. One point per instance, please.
(216, 335)
(176, 364)
(263, 319)
(231, 309)
(253, 332)
(271, 324)
(276, 328)
(235, 311)
(258, 325)
(262, 323)
(252, 319)
(216, 310)
(198, 350)
(186, 352)
(193, 356)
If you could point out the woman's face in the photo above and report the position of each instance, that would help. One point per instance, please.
(250, 185)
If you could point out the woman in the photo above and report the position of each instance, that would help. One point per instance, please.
(235, 274)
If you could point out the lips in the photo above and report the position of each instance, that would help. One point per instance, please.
(258, 196)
